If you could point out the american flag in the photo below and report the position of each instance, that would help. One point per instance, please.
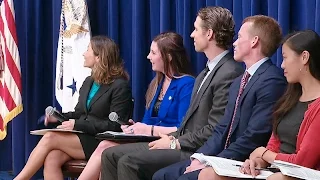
(10, 73)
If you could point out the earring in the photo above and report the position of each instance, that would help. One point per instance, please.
(300, 69)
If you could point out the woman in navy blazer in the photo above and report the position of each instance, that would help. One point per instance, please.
(167, 98)
(106, 90)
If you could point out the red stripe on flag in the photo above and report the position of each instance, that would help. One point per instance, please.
(1, 124)
(1, 91)
(8, 100)
(10, 21)
(11, 86)
(8, 58)
(1, 97)
(13, 68)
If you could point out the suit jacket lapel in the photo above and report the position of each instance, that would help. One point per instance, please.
(86, 89)
(254, 78)
(209, 78)
(197, 97)
(235, 94)
(251, 82)
(167, 99)
(197, 84)
(103, 89)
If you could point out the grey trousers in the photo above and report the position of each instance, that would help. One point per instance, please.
(136, 162)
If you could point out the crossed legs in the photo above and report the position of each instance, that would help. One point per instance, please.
(209, 174)
(53, 163)
(92, 169)
(69, 145)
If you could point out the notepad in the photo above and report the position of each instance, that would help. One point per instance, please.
(297, 171)
(230, 168)
(42, 132)
(121, 136)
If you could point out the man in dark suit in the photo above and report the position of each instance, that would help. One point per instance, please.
(213, 34)
(246, 123)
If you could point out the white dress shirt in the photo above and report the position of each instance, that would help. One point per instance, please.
(211, 64)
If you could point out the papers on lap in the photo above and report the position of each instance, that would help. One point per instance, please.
(121, 136)
(41, 132)
(117, 133)
(297, 171)
(230, 168)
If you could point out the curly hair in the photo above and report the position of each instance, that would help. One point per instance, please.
(220, 20)
(110, 65)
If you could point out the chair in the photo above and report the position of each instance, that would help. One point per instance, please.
(73, 168)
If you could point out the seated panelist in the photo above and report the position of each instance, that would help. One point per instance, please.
(296, 119)
(106, 90)
(212, 35)
(167, 98)
(246, 123)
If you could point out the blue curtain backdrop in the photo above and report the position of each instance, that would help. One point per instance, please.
(132, 24)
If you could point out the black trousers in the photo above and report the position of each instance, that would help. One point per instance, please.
(136, 162)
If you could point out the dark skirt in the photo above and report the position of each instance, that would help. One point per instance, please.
(89, 143)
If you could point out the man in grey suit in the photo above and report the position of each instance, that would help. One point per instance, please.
(213, 34)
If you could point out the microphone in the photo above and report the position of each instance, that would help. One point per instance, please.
(50, 111)
(114, 117)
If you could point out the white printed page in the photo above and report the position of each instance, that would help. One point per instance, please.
(230, 168)
(297, 171)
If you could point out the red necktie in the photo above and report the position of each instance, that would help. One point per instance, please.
(243, 84)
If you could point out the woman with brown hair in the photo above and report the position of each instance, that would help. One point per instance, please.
(106, 90)
(167, 98)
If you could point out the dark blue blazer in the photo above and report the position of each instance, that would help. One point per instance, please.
(253, 121)
(174, 105)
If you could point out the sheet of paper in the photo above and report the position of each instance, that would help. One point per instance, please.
(297, 171)
(121, 133)
(230, 168)
(41, 132)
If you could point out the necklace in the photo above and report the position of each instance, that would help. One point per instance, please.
(164, 88)
(161, 95)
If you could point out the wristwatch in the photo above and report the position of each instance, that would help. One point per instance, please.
(173, 143)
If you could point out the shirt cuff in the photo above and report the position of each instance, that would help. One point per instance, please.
(199, 157)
